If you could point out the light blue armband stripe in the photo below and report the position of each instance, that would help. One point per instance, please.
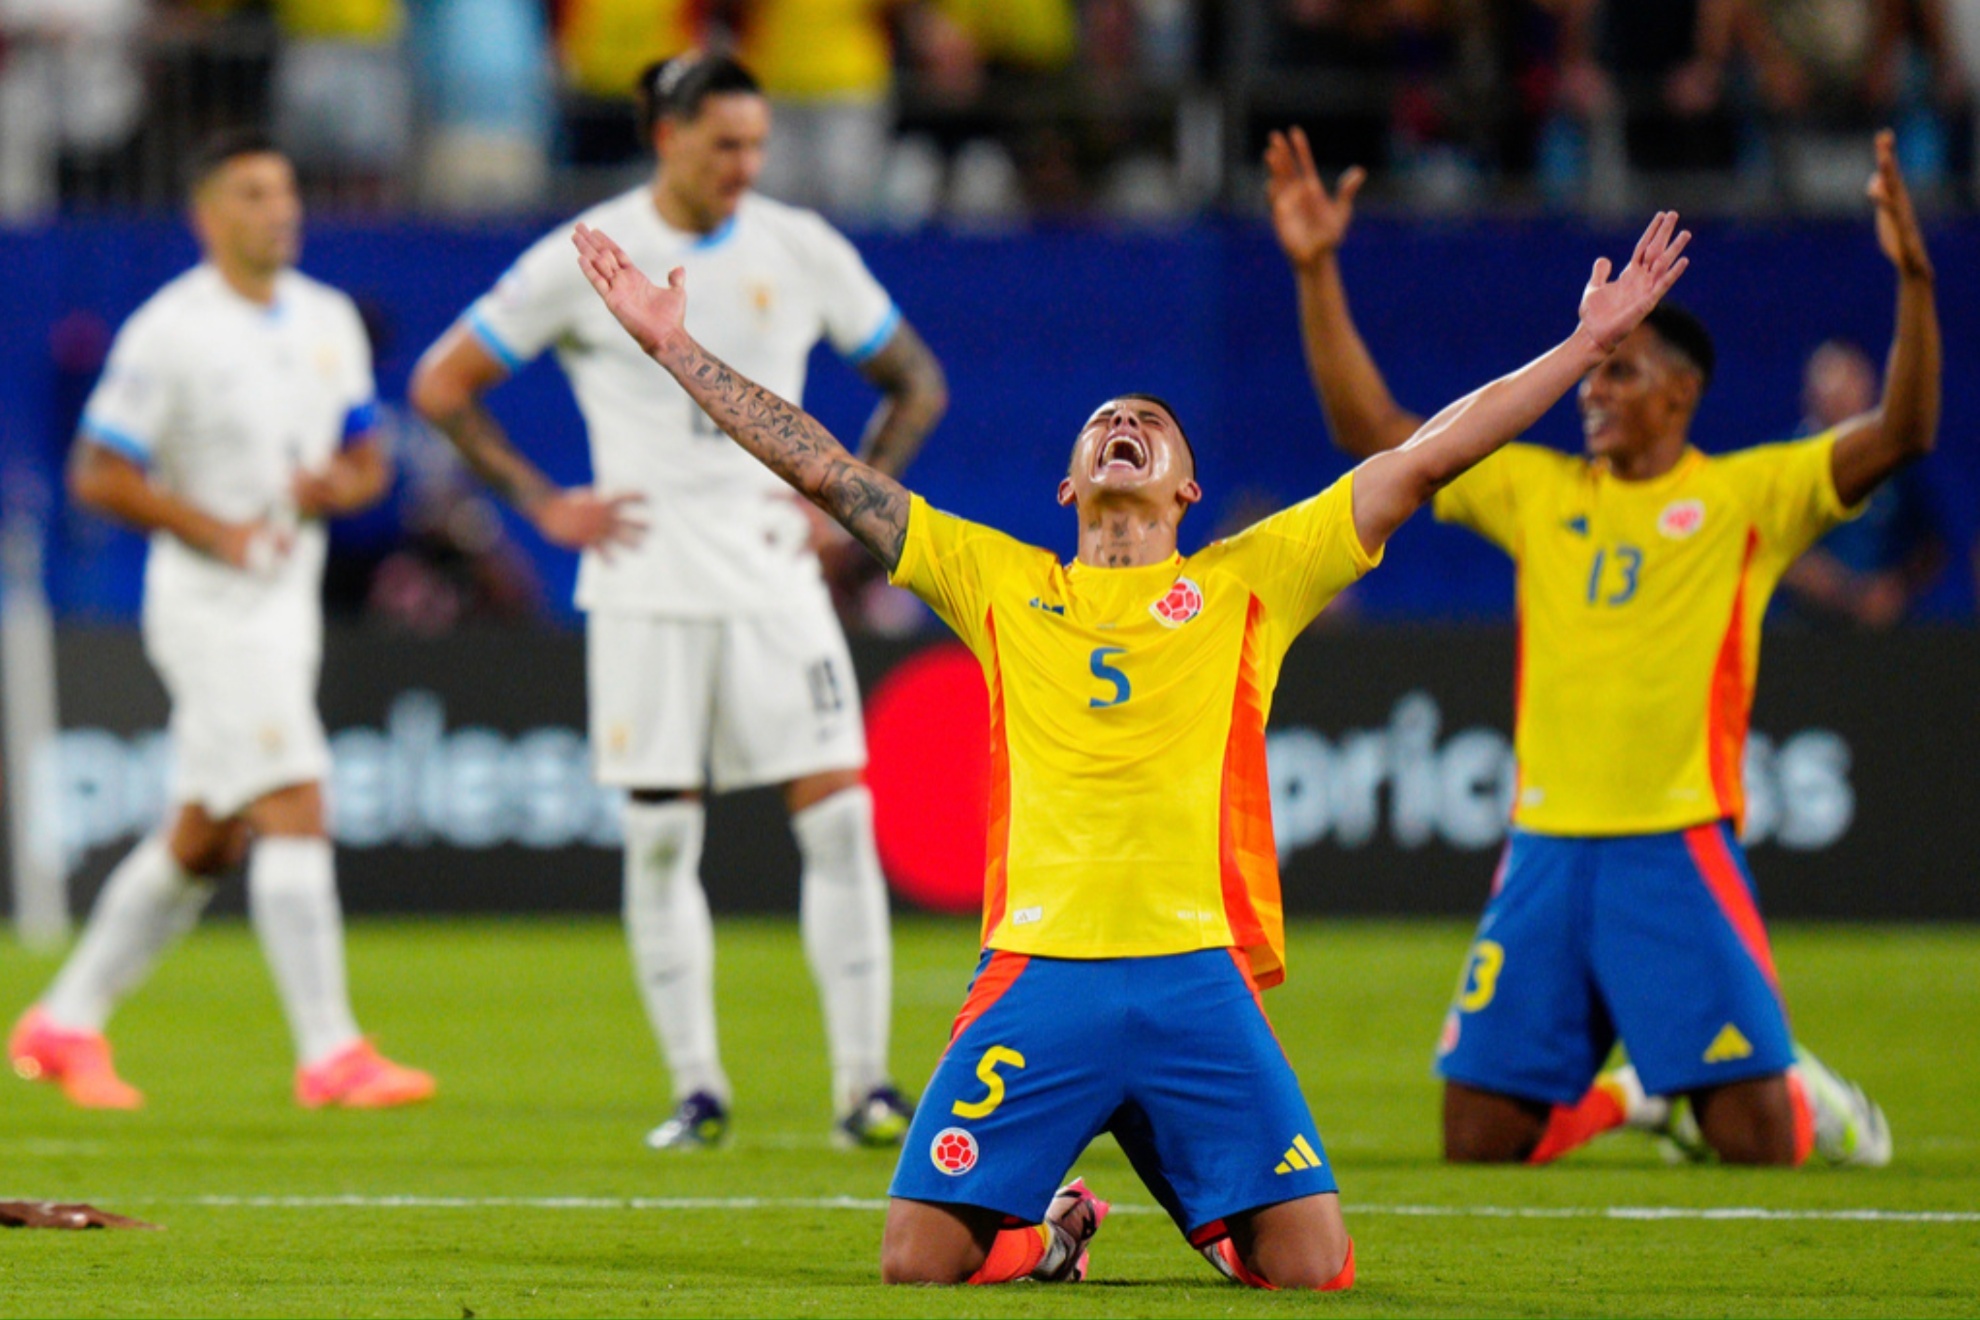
(878, 339)
(508, 357)
(121, 442)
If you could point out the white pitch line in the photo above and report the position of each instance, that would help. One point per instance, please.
(651, 1203)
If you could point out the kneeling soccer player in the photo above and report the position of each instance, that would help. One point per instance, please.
(1131, 910)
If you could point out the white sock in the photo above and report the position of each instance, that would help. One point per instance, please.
(847, 938)
(673, 940)
(292, 898)
(148, 902)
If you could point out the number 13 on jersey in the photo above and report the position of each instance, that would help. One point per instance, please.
(1612, 579)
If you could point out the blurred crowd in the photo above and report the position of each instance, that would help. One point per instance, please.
(902, 111)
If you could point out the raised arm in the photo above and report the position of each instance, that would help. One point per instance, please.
(447, 389)
(1389, 487)
(786, 439)
(1905, 423)
(1361, 415)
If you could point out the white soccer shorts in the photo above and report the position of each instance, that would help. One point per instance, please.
(735, 702)
(244, 720)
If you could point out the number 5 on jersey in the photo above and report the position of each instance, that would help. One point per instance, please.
(1107, 673)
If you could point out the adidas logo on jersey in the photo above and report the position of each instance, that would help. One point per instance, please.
(1728, 1045)
(1299, 1155)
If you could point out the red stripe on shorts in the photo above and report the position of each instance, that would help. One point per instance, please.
(1721, 874)
(997, 976)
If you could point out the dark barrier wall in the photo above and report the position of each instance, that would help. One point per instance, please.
(462, 782)
(1035, 329)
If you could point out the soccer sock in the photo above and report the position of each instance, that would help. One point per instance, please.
(1227, 1249)
(673, 940)
(847, 939)
(292, 900)
(147, 904)
(1014, 1254)
(1804, 1116)
(1604, 1107)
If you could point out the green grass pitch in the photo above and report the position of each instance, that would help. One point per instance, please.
(524, 1190)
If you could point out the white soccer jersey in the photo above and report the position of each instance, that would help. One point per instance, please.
(725, 536)
(225, 401)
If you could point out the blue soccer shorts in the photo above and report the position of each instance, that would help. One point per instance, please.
(1173, 1055)
(1653, 937)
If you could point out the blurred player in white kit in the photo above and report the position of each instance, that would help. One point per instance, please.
(236, 413)
(714, 657)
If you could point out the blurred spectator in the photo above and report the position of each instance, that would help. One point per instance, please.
(1347, 48)
(343, 95)
(827, 67)
(485, 79)
(71, 98)
(1833, 70)
(1867, 572)
(1658, 69)
(1015, 152)
(603, 46)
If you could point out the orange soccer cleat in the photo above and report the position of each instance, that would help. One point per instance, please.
(359, 1077)
(76, 1061)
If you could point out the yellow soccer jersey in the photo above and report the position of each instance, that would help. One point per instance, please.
(1130, 813)
(1639, 622)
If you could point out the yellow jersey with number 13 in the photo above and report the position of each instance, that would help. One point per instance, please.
(1130, 813)
(1639, 622)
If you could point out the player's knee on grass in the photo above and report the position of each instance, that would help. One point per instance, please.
(1485, 1127)
(927, 1243)
(1300, 1244)
(1750, 1122)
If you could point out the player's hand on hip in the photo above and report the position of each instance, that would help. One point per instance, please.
(651, 314)
(1310, 223)
(253, 547)
(1898, 233)
(319, 494)
(582, 519)
(1611, 308)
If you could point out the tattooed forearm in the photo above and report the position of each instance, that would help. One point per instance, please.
(790, 442)
(486, 448)
(915, 395)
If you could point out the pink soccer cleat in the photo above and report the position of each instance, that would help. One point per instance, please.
(359, 1077)
(76, 1061)
(1074, 1217)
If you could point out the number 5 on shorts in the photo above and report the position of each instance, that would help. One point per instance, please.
(1481, 975)
(986, 1071)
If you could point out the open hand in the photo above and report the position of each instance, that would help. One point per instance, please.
(1610, 309)
(582, 519)
(1310, 223)
(1897, 224)
(652, 315)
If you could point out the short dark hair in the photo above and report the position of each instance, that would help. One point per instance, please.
(1170, 409)
(228, 144)
(676, 88)
(1685, 335)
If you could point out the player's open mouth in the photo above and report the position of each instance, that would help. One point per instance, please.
(1593, 423)
(1121, 450)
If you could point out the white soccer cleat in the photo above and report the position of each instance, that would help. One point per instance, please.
(1849, 1126)
(1643, 1113)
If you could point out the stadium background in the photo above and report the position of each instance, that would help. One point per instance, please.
(1076, 278)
